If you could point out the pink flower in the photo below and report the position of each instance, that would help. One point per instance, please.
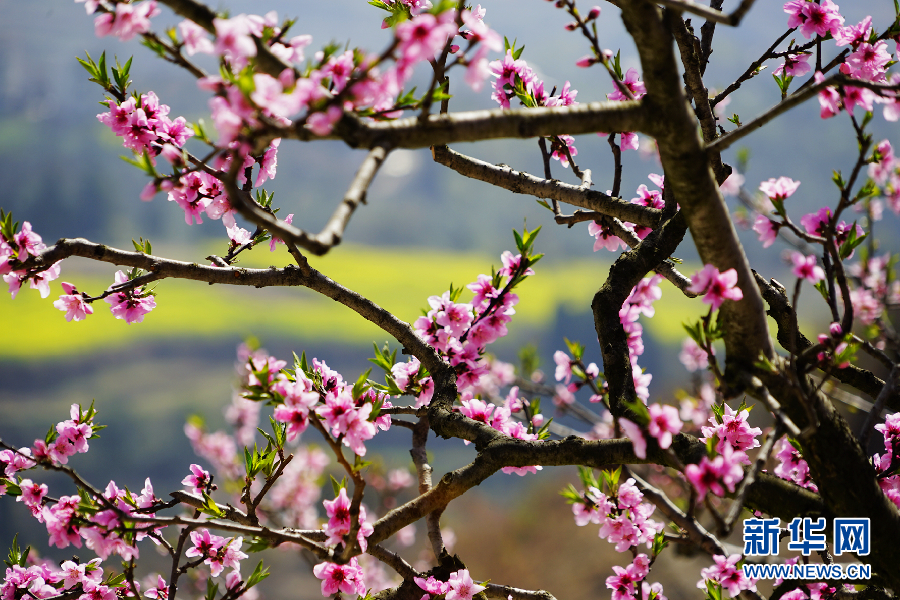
(805, 268)
(725, 571)
(73, 303)
(348, 578)
(234, 39)
(733, 431)
(634, 85)
(423, 36)
(338, 511)
(462, 587)
(710, 475)
(868, 61)
(795, 65)
(321, 123)
(198, 480)
(130, 305)
(664, 422)
(433, 586)
(779, 189)
(636, 435)
(716, 287)
(195, 38)
(829, 99)
(160, 592)
(692, 356)
(814, 19)
(767, 230)
(604, 237)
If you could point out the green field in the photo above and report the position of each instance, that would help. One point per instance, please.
(400, 280)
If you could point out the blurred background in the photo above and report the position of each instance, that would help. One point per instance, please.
(423, 228)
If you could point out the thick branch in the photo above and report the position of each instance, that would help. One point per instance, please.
(478, 125)
(788, 103)
(732, 19)
(692, 183)
(781, 310)
(523, 183)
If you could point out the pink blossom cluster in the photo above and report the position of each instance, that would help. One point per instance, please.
(732, 430)
(132, 304)
(144, 125)
(102, 535)
(347, 579)
(716, 287)
(299, 397)
(624, 518)
(217, 552)
(124, 20)
(500, 418)
(23, 244)
(340, 523)
(565, 391)
(625, 580)
(604, 236)
(885, 172)
(716, 474)
(47, 580)
(890, 460)
(68, 438)
(354, 75)
(836, 346)
(791, 465)
(867, 60)
(692, 356)
(459, 586)
(726, 572)
(515, 79)
(461, 331)
(639, 302)
(628, 140)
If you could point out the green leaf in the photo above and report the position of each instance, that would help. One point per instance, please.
(852, 242)
(258, 544)
(571, 495)
(576, 349)
(337, 486)
(259, 573)
(211, 589)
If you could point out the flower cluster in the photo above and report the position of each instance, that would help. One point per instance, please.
(791, 465)
(625, 579)
(500, 418)
(867, 60)
(887, 464)
(340, 524)
(460, 331)
(144, 125)
(515, 79)
(604, 236)
(348, 579)
(124, 21)
(727, 573)
(17, 247)
(624, 518)
(716, 287)
(459, 586)
(47, 580)
(217, 552)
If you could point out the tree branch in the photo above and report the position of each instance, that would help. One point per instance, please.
(448, 128)
(732, 19)
(523, 183)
